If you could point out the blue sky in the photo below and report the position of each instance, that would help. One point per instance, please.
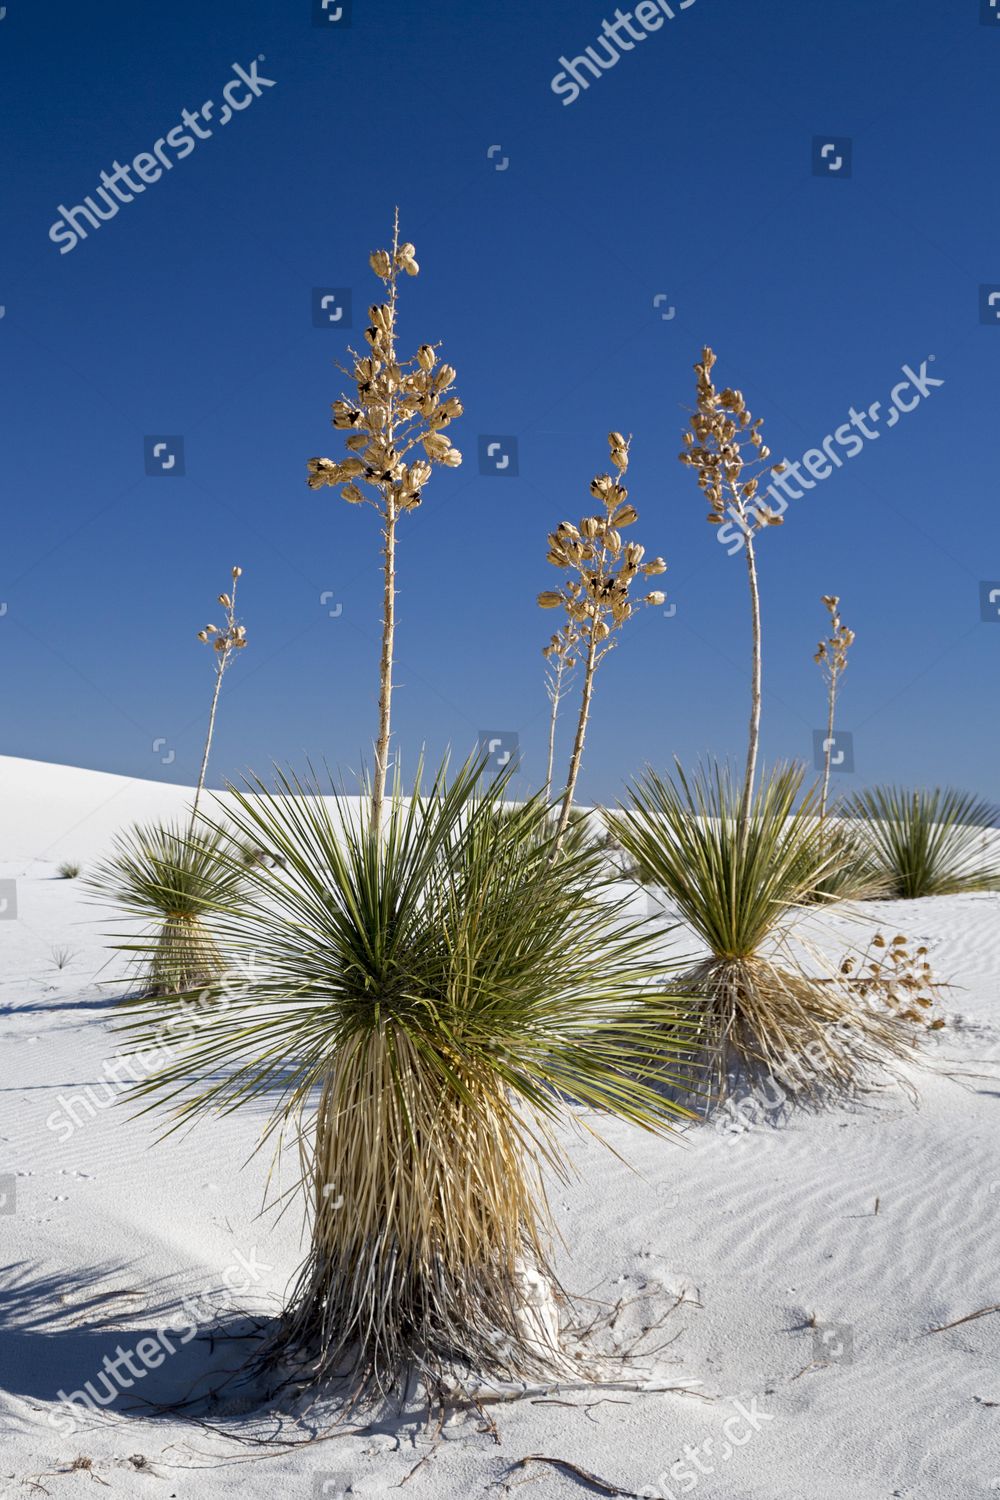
(572, 275)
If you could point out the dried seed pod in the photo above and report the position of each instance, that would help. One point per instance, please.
(436, 446)
(381, 264)
(550, 599)
(345, 415)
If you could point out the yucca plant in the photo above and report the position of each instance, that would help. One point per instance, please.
(854, 874)
(738, 877)
(929, 843)
(170, 877)
(429, 1000)
(173, 880)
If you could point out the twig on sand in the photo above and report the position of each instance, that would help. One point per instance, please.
(969, 1318)
(601, 1485)
(427, 1456)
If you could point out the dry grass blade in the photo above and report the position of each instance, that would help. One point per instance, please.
(601, 1485)
(969, 1318)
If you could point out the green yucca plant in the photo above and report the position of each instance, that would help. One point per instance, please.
(428, 1000)
(172, 880)
(737, 875)
(928, 843)
(853, 873)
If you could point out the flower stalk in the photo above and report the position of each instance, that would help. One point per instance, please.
(394, 422)
(831, 657)
(225, 642)
(562, 660)
(717, 447)
(595, 596)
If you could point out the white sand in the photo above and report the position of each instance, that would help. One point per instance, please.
(765, 1231)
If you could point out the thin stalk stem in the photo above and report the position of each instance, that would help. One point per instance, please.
(208, 746)
(828, 747)
(220, 670)
(385, 664)
(581, 731)
(753, 742)
(555, 694)
(389, 580)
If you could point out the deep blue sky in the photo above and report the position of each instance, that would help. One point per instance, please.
(685, 170)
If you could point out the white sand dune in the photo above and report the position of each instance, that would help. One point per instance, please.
(767, 1233)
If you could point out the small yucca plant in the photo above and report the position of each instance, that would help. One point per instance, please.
(929, 843)
(173, 880)
(853, 874)
(429, 999)
(738, 877)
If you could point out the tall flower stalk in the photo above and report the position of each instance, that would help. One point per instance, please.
(831, 657)
(225, 642)
(596, 595)
(395, 421)
(560, 654)
(727, 452)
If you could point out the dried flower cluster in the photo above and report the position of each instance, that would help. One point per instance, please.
(903, 981)
(232, 637)
(395, 421)
(597, 601)
(561, 652)
(831, 654)
(717, 448)
(597, 598)
(400, 405)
